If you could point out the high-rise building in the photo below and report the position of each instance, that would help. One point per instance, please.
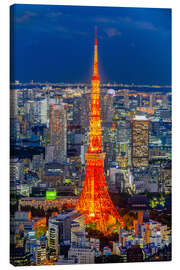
(59, 229)
(123, 140)
(44, 112)
(29, 111)
(58, 132)
(14, 121)
(106, 100)
(85, 109)
(140, 141)
(126, 100)
(16, 170)
(13, 103)
(40, 250)
(76, 111)
(151, 100)
(95, 202)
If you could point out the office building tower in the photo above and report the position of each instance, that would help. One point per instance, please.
(126, 100)
(85, 109)
(16, 170)
(14, 121)
(140, 141)
(13, 103)
(59, 229)
(44, 112)
(106, 101)
(58, 133)
(41, 250)
(76, 111)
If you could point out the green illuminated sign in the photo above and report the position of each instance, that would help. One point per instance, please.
(50, 195)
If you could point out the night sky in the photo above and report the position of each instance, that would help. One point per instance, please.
(55, 44)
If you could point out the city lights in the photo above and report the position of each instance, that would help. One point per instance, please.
(90, 135)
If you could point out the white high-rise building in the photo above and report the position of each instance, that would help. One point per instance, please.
(44, 112)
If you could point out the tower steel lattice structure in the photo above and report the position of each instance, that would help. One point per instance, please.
(95, 202)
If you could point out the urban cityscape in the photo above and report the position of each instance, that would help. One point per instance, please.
(90, 164)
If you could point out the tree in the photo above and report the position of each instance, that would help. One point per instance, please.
(41, 231)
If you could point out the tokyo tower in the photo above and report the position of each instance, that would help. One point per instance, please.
(95, 202)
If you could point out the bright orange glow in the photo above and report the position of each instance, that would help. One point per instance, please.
(148, 110)
(94, 200)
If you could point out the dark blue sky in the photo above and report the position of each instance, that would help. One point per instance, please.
(55, 43)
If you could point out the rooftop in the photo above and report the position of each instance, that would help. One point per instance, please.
(140, 118)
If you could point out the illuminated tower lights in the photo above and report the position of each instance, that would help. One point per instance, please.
(95, 202)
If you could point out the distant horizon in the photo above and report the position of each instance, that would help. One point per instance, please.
(55, 43)
(89, 83)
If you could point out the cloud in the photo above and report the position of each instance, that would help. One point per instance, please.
(103, 20)
(107, 20)
(140, 24)
(27, 15)
(125, 19)
(112, 32)
(61, 29)
(55, 14)
(69, 32)
(146, 25)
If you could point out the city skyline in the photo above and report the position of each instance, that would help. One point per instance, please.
(135, 44)
(90, 164)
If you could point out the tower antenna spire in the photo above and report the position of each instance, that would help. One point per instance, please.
(95, 29)
(95, 73)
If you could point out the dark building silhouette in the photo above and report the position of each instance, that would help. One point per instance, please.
(134, 254)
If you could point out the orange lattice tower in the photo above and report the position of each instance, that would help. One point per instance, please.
(95, 202)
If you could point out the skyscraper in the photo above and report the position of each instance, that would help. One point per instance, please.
(140, 141)
(44, 111)
(59, 228)
(106, 101)
(13, 103)
(94, 200)
(14, 121)
(59, 231)
(85, 109)
(58, 131)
